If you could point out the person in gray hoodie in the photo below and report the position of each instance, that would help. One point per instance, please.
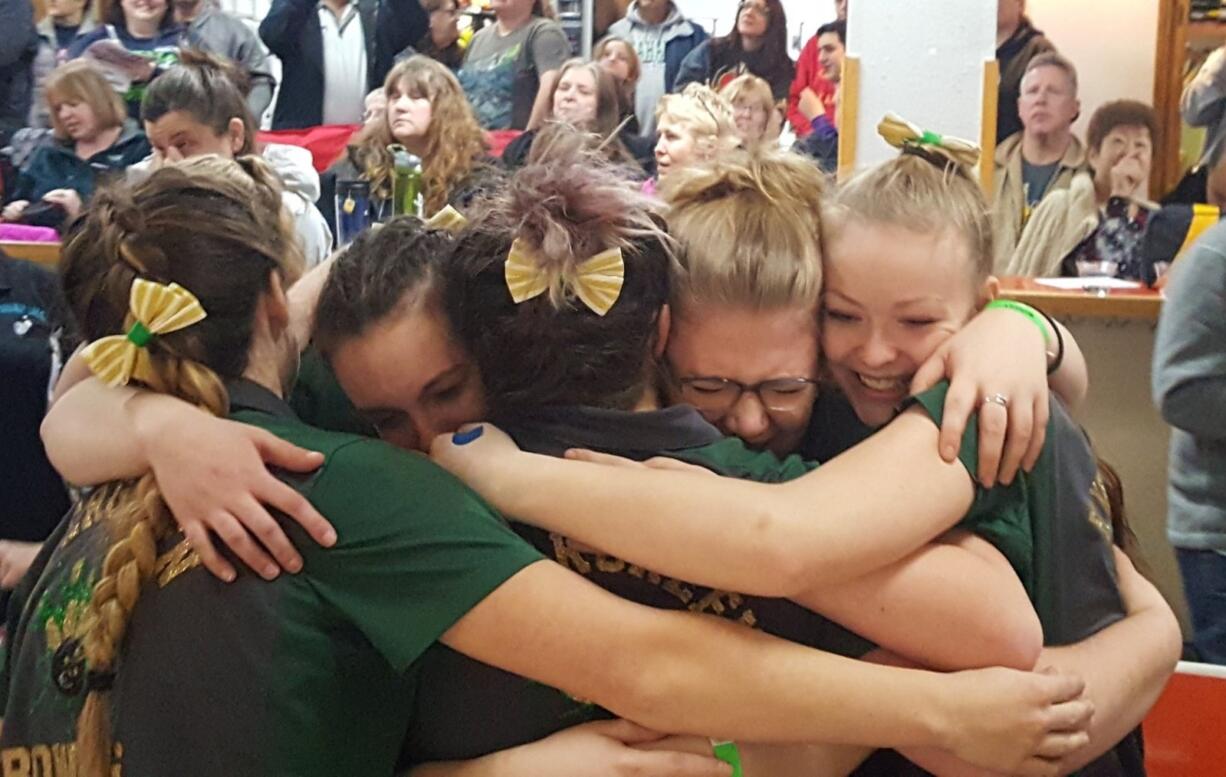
(213, 30)
(1189, 385)
(662, 38)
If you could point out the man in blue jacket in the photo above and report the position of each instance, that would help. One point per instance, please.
(662, 37)
(335, 51)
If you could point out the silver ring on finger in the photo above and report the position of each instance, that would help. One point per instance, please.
(997, 399)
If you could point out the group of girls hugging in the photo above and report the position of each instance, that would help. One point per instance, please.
(753, 477)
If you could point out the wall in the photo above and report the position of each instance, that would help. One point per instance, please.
(1112, 43)
(927, 68)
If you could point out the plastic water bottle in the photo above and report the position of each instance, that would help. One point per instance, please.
(406, 182)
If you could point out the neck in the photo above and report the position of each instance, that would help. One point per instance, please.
(336, 6)
(649, 401)
(1046, 149)
(87, 147)
(657, 14)
(141, 28)
(270, 364)
(186, 12)
(415, 146)
(1102, 190)
(69, 20)
(510, 21)
(752, 44)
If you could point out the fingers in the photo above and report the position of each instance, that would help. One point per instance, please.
(993, 423)
(624, 731)
(255, 519)
(1071, 716)
(1021, 430)
(593, 457)
(239, 541)
(673, 465)
(665, 763)
(198, 536)
(280, 496)
(1061, 688)
(1061, 744)
(930, 373)
(284, 454)
(960, 402)
(1042, 413)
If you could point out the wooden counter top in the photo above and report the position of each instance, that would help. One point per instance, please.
(1136, 304)
(47, 254)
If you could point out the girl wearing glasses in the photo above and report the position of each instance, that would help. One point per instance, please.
(757, 44)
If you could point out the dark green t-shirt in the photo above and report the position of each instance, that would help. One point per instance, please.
(1051, 525)
(466, 709)
(312, 674)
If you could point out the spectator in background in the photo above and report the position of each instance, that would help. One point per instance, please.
(754, 110)
(442, 42)
(93, 139)
(1189, 384)
(374, 107)
(428, 114)
(1203, 104)
(619, 60)
(818, 73)
(1044, 156)
(1017, 42)
(758, 44)
(65, 21)
(210, 29)
(586, 97)
(202, 106)
(696, 126)
(333, 52)
(512, 65)
(18, 47)
(840, 10)
(138, 40)
(1102, 215)
(36, 336)
(662, 38)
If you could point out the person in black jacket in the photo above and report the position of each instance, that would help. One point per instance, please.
(18, 45)
(334, 52)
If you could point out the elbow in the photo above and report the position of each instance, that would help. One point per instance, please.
(793, 566)
(1020, 643)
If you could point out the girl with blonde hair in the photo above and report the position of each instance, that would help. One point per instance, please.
(428, 114)
(754, 109)
(694, 126)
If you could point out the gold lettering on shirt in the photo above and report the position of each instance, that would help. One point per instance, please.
(574, 556)
(49, 760)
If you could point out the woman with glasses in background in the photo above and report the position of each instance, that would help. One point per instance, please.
(758, 44)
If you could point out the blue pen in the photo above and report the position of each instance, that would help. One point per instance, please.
(464, 438)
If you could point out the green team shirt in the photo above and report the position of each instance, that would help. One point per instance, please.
(1051, 523)
(312, 674)
(467, 709)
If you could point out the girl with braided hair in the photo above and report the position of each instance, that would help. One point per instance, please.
(315, 673)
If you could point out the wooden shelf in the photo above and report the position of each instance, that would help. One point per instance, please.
(1139, 304)
(1207, 31)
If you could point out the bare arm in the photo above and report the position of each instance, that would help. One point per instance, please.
(1126, 665)
(954, 604)
(542, 106)
(768, 538)
(677, 671)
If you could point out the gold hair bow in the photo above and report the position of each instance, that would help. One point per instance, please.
(155, 310)
(449, 219)
(899, 132)
(597, 281)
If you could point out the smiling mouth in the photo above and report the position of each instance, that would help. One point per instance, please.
(894, 385)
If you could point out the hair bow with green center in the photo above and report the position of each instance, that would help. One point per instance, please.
(448, 219)
(900, 133)
(596, 281)
(153, 309)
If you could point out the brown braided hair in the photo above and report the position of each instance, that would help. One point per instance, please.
(216, 228)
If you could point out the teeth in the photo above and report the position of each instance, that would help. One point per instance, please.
(880, 384)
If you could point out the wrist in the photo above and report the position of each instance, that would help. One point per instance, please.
(154, 418)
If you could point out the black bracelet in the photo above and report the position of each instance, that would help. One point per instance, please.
(1055, 365)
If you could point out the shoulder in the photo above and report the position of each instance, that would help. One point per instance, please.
(1008, 149)
(621, 27)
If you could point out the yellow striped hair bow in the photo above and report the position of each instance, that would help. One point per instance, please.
(899, 132)
(154, 310)
(449, 219)
(597, 281)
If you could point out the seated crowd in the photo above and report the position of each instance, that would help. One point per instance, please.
(619, 301)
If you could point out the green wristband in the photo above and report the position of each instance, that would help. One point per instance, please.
(729, 754)
(1021, 307)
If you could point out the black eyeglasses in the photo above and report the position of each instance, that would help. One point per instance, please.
(714, 397)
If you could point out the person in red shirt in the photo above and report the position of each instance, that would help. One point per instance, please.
(817, 78)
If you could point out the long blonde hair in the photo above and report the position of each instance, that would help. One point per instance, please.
(705, 114)
(749, 225)
(454, 142)
(216, 228)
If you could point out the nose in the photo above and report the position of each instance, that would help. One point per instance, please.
(877, 351)
(748, 419)
(426, 427)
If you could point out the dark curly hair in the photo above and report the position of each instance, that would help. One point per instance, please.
(552, 350)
